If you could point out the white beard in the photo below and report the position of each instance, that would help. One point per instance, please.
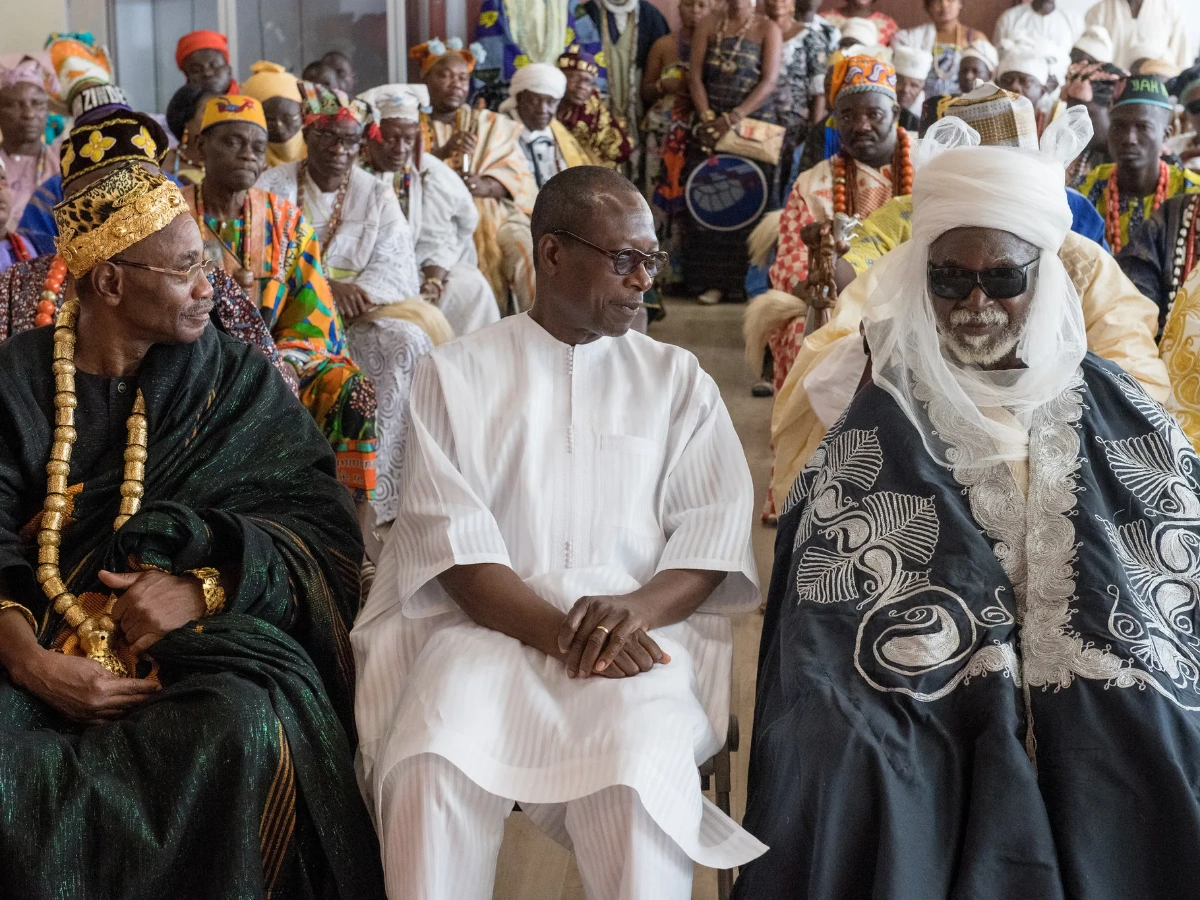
(980, 350)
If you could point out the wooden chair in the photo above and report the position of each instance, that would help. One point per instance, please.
(720, 770)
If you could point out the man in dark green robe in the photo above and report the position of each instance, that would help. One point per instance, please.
(223, 768)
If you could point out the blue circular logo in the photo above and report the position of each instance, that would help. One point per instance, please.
(726, 193)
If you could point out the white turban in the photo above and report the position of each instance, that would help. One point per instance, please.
(1026, 57)
(981, 49)
(541, 78)
(1000, 188)
(912, 63)
(861, 31)
(397, 101)
(1096, 43)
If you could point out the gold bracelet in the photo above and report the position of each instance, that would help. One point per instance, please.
(214, 594)
(707, 116)
(13, 604)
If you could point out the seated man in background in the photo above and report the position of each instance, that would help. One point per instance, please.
(203, 58)
(368, 254)
(279, 93)
(24, 107)
(1126, 192)
(171, 643)
(549, 623)
(534, 95)
(979, 659)
(1120, 322)
(14, 246)
(439, 209)
(1025, 70)
(586, 114)
(479, 145)
(271, 252)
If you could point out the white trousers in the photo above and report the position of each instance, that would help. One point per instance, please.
(441, 835)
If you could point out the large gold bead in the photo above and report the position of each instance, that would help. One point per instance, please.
(47, 538)
(48, 556)
(46, 572)
(74, 616)
(56, 484)
(134, 471)
(55, 503)
(65, 400)
(135, 454)
(60, 452)
(54, 588)
(120, 520)
(53, 520)
(58, 467)
(64, 367)
(66, 434)
(132, 490)
(63, 350)
(64, 383)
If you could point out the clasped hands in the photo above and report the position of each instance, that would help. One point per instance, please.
(606, 635)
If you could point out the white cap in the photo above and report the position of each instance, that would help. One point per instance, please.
(861, 31)
(1025, 56)
(982, 49)
(1096, 43)
(397, 101)
(912, 63)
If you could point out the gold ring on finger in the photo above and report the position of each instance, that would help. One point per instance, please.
(602, 628)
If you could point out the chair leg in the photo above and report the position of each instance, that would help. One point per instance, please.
(724, 883)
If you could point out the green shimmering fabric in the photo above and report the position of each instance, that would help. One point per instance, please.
(236, 781)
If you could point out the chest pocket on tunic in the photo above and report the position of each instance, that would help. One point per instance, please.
(627, 485)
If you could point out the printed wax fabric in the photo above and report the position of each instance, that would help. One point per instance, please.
(1135, 211)
(237, 779)
(964, 691)
(296, 303)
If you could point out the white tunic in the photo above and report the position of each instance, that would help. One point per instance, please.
(1159, 24)
(1056, 32)
(587, 470)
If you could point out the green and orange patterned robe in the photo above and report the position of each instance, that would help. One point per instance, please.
(297, 304)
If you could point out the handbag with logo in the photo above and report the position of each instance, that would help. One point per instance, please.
(753, 139)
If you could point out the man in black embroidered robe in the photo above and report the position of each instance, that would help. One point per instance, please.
(980, 669)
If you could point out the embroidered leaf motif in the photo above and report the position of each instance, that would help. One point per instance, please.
(854, 456)
(825, 577)
(1146, 466)
(904, 521)
(1132, 545)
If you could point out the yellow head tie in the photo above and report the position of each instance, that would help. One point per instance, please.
(125, 206)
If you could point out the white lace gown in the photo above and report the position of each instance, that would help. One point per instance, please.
(587, 470)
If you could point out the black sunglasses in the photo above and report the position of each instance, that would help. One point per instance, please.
(1001, 283)
(625, 261)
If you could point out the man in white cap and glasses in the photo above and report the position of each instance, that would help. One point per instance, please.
(549, 147)
(438, 206)
(912, 67)
(979, 665)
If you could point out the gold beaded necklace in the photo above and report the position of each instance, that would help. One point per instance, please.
(95, 632)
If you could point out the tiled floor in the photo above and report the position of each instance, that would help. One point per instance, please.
(533, 867)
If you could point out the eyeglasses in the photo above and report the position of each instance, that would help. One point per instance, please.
(625, 261)
(332, 139)
(1001, 283)
(205, 267)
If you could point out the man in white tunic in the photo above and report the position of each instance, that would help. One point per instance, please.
(549, 621)
(438, 206)
(367, 250)
(1139, 23)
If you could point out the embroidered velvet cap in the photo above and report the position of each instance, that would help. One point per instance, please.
(575, 57)
(112, 214)
(118, 136)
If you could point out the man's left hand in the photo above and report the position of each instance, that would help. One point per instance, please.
(485, 186)
(601, 631)
(152, 604)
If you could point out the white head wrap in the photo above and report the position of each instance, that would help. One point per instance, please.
(981, 49)
(1001, 188)
(1096, 43)
(397, 101)
(1026, 57)
(861, 31)
(541, 78)
(912, 63)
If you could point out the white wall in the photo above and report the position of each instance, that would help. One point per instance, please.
(27, 23)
